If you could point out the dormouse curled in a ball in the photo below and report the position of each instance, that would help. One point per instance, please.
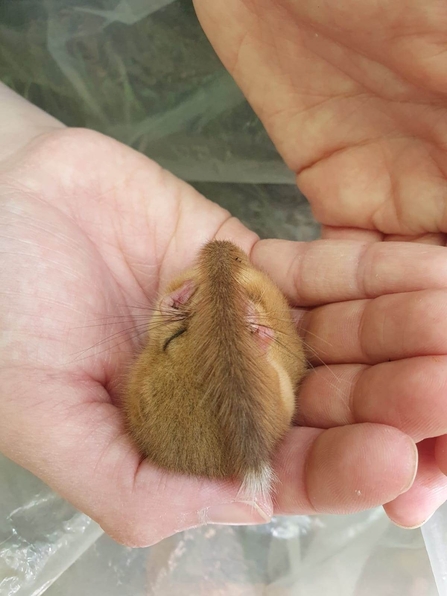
(213, 391)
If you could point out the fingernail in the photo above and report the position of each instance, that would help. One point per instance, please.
(411, 480)
(236, 513)
(415, 526)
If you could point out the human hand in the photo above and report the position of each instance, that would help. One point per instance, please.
(354, 99)
(89, 231)
(353, 95)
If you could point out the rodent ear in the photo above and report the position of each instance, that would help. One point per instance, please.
(263, 333)
(179, 297)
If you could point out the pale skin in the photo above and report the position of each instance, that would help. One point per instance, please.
(354, 96)
(91, 229)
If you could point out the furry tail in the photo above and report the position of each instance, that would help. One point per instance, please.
(257, 484)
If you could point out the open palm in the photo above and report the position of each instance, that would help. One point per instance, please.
(89, 231)
(353, 95)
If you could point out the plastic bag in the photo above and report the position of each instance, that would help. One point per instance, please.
(143, 72)
(47, 547)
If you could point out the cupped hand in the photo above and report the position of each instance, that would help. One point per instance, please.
(374, 319)
(90, 229)
(354, 97)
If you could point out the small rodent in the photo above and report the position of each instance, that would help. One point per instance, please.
(213, 391)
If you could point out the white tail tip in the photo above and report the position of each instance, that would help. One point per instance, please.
(257, 484)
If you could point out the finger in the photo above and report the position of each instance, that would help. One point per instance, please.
(343, 470)
(430, 238)
(362, 235)
(406, 394)
(429, 491)
(389, 327)
(357, 234)
(20, 122)
(79, 448)
(324, 271)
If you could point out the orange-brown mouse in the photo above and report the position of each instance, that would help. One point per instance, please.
(212, 393)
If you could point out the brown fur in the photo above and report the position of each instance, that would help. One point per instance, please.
(216, 401)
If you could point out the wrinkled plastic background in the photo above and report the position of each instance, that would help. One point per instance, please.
(48, 547)
(143, 72)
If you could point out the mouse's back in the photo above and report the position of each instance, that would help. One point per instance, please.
(213, 391)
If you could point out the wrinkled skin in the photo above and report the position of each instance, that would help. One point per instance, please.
(353, 94)
(90, 230)
(354, 97)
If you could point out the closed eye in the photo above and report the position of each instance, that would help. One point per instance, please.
(174, 336)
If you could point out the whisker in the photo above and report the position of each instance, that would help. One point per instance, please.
(319, 338)
(146, 308)
(142, 307)
(337, 389)
(129, 316)
(102, 324)
(305, 343)
(126, 340)
(113, 335)
(270, 318)
(140, 328)
(335, 386)
(285, 347)
(147, 320)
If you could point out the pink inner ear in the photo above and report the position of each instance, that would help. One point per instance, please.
(178, 297)
(264, 334)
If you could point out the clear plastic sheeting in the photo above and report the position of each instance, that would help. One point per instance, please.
(47, 547)
(143, 72)
(128, 11)
(435, 536)
(41, 535)
(361, 555)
